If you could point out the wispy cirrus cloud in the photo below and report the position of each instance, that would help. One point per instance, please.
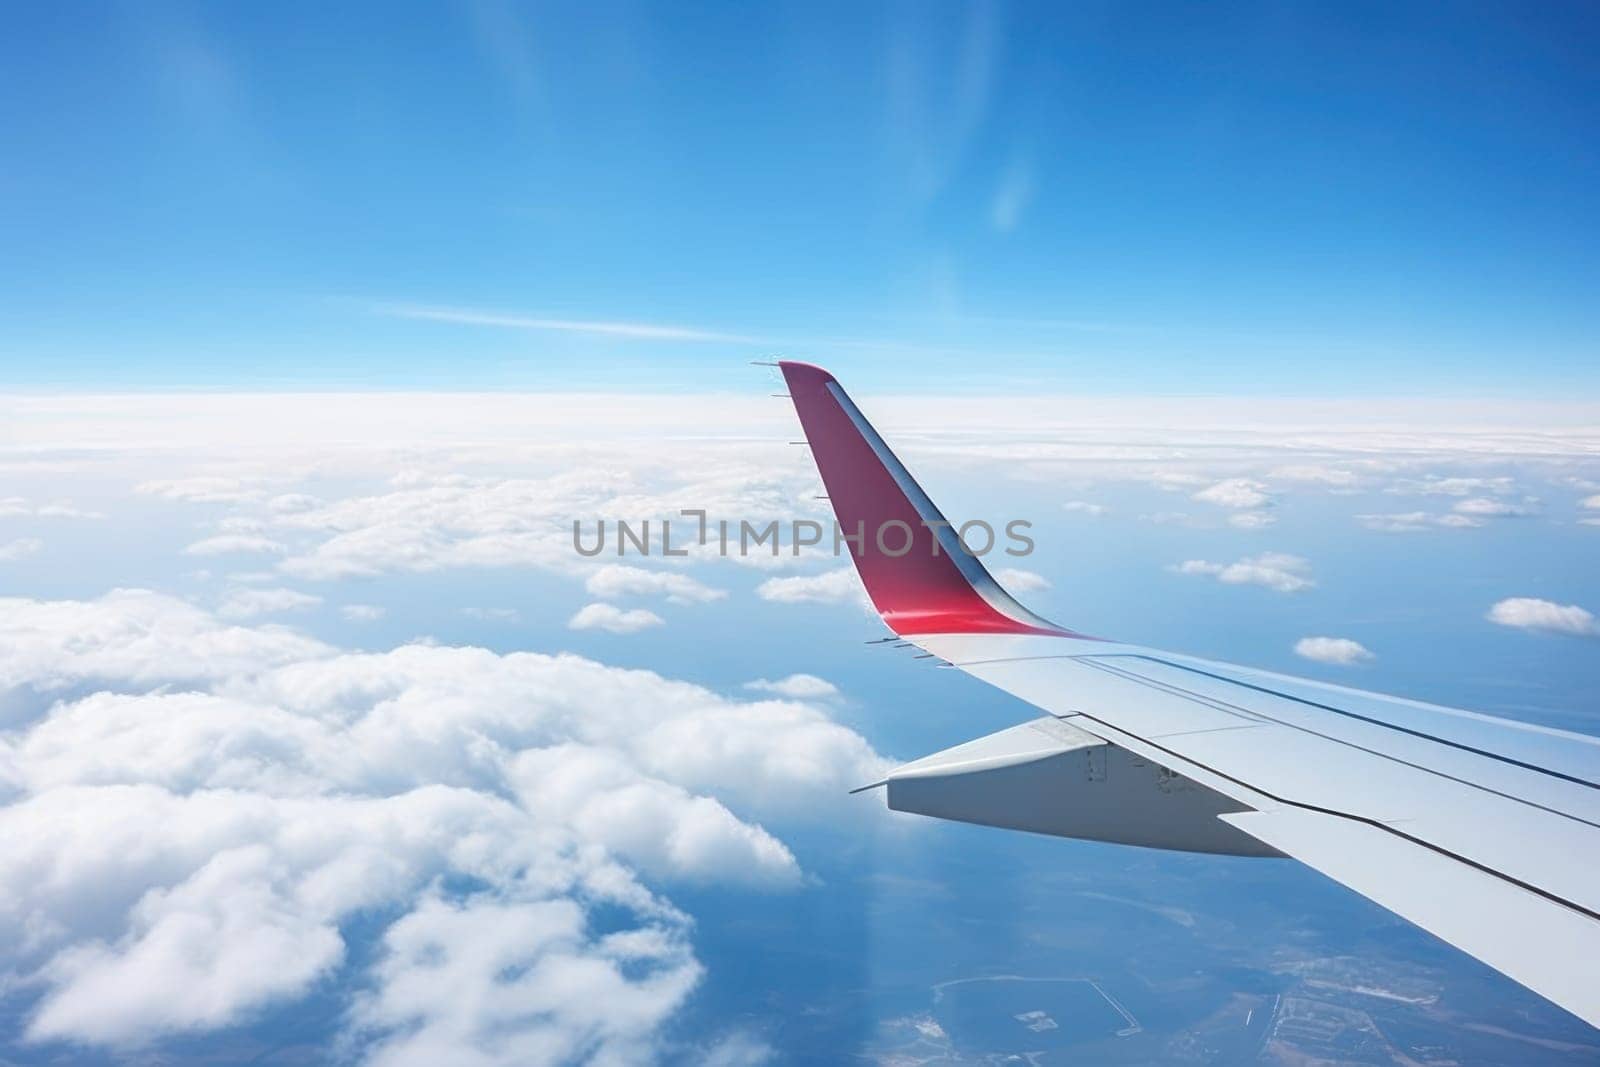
(248, 603)
(20, 547)
(1417, 521)
(229, 544)
(21, 507)
(199, 489)
(1488, 507)
(1437, 485)
(632, 331)
(1315, 474)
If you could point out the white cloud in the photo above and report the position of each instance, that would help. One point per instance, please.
(1531, 613)
(616, 580)
(1487, 507)
(613, 619)
(21, 507)
(1457, 521)
(1590, 503)
(840, 586)
(179, 860)
(656, 826)
(1252, 520)
(738, 1049)
(1174, 481)
(224, 544)
(1016, 580)
(1417, 521)
(1338, 650)
(1434, 485)
(1248, 499)
(1235, 493)
(133, 635)
(457, 521)
(1315, 474)
(288, 503)
(204, 489)
(362, 612)
(493, 614)
(248, 603)
(1274, 570)
(1083, 507)
(528, 981)
(796, 687)
(19, 548)
(226, 936)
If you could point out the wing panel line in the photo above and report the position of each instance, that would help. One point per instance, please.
(1088, 655)
(1554, 898)
(1214, 702)
(1512, 760)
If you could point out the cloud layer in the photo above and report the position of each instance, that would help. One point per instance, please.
(197, 814)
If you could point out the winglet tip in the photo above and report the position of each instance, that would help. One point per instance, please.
(795, 369)
(864, 788)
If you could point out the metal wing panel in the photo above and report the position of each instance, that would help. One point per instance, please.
(1576, 756)
(1336, 803)
(1552, 950)
(1478, 829)
(1548, 767)
(1531, 845)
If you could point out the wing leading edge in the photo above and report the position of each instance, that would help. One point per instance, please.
(1481, 830)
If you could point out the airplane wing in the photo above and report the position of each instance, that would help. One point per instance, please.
(1484, 831)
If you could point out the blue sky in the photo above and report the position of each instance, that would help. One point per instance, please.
(1237, 198)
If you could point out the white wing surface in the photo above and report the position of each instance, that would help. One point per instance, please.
(1484, 831)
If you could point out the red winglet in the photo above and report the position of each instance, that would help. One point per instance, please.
(931, 587)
